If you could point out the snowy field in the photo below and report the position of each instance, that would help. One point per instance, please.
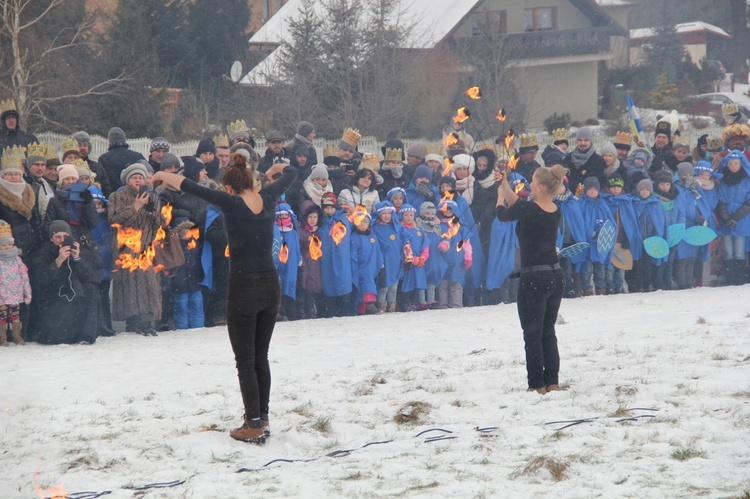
(658, 383)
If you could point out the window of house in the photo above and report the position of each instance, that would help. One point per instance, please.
(540, 19)
(489, 22)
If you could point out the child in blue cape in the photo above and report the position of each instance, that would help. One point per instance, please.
(311, 290)
(416, 255)
(707, 184)
(684, 264)
(367, 261)
(435, 265)
(397, 197)
(674, 213)
(392, 240)
(420, 189)
(456, 251)
(336, 264)
(626, 223)
(651, 222)
(733, 210)
(571, 231)
(286, 246)
(104, 237)
(595, 214)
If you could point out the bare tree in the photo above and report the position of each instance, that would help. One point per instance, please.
(741, 39)
(30, 62)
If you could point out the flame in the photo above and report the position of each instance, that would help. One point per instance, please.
(56, 492)
(338, 232)
(474, 93)
(226, 251)
(193, 234)
(448, 196)
(284, 253)
(462, 114)
(166, 212)
(509, 140)
(359, 213)
(450, 139)
(501, 116)
(315, 245)
(519, 187)
(131, 239)
(513, 162)
(128, 238)
(448, 166)
(453, 228)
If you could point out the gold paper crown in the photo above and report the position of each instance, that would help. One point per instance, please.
(528, 140)
(5, 230)
(329, 151)
(69, 145)
(351, 137)
(238, 126)
(12, 158)
(434, 148)
(370, 161)
(221, 140)
(736, 130)
(394, 155)
(624, 138)
(39, 150)
(730, 109)
(51, 153)
(81, 165)
(715, 144)
(7, 105)
(560, 134)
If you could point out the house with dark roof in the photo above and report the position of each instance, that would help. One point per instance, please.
(554, 47)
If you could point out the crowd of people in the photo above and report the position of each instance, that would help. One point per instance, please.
(84, 243)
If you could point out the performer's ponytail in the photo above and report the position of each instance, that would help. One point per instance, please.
(551, 178)
(238, 176)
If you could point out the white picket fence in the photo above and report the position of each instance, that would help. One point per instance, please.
(100, 144)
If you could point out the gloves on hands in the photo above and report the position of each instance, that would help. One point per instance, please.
(731, 222)
(444, 246)
(425, 190)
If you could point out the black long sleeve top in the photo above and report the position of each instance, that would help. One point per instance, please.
(536, 231)
(250, 235)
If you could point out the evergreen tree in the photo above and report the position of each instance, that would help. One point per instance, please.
(665, 95)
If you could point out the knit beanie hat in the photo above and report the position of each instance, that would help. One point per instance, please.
(448, 180)
(64, 171)
(206, 145)
(422, 171)
(319, 171)
(591, 183)
(608, 147)
(433, 157)
(169, 160)
(82, 138)
(463, 160)
(193, 167)
(679, 143)
(159, 143)
(684, 169)
(59, 226)
(426, 208)
(702, 166)
(418, 150)
(615, 180)
(301, 150)
(646, 183)
(663, 176)
(304, 128)
(116, 137)
(703, 140)
(135, 168)
(584, 133)
(328, 199)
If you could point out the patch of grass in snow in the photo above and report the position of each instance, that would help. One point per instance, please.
(412, 413)
(430, 485)
(228, 458)
(84, 458)
(685, 453)
(744, 394)
(701, 320)
(149, 397)
(555, 467)
(719, 356)
(745, 494)
(303, 410)
(353, 476)
(363, 390)
(621, 412)
(322, 424)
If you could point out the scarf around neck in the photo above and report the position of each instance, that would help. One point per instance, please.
(303, 140)
(9, 254)
(15, 188)
(465, 186)
(579, 158)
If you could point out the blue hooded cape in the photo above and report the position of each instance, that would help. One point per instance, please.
(336, 264)
(503, 244)
(288, 270)
(212, 213)
(367, 260)
(595, 211)
(623, 210)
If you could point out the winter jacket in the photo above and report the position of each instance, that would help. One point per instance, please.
(80, 215)
(101, 176)
(15, 137)
(269, 158)
(15, 282)
(353, 196)
(115, 161)
(25, 222)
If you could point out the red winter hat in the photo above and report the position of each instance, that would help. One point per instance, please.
(328, 199)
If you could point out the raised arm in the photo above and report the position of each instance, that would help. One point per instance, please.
(215, 197)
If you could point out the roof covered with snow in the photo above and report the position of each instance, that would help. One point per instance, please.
(681, 29)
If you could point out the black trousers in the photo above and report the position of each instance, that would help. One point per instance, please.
(252, 304)
(539, 297)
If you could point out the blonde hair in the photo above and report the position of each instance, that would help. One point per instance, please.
(551, 177)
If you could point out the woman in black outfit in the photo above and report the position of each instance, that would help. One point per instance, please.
(541, 288)
(254, 293)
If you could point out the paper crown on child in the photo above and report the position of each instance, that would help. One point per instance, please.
(393, 155)
(221, 140)
(12, 159)
(350, 139)
(370, 161)
(68, 146)
(736, 130)
(714, 144)
(730, 109)
(330, 151)
(6, 234)
(623, 139)
(236, 128)
(560, 135)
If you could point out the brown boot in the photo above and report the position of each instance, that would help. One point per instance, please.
(15, 331)
(553, 388)
(540, 391)
(600, 292)
(245, 433)
(391, 306)
(588, 292)
(3, 335)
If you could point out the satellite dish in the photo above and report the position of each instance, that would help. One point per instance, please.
(236, 72)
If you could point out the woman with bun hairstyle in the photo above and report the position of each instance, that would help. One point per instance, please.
(254, 292)
(541, 287)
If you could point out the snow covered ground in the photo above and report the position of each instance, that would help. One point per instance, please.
(662, 381)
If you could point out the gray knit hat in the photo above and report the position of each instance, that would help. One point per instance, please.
(59, 226)
(132, 170)
(684, 169)
(584, 133)
(159, 143)
(646, 183)
(608, 147)
(591, 183)
(319, 171)
(116, 136)
(427, 207)
(305, 128)
(169, 160)
(82, 138)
